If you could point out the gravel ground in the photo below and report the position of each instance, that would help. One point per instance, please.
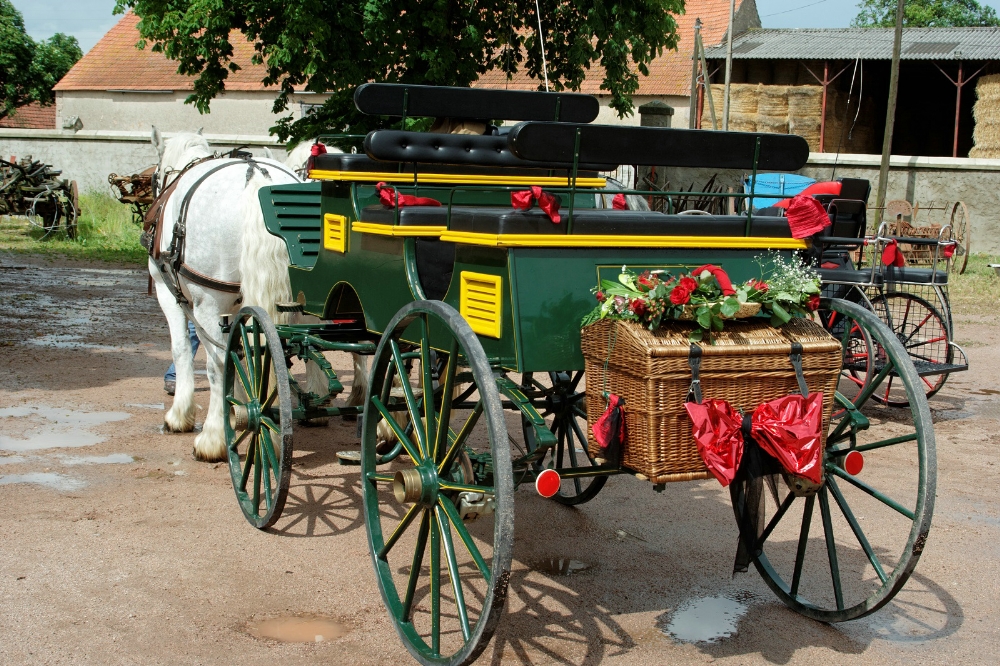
(117, 547)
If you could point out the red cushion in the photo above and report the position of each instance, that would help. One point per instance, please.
(827, 187)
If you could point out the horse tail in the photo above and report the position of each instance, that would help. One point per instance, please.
(263, 257)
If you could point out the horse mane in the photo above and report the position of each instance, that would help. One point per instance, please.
(182, 148)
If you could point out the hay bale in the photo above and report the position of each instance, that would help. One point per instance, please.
(985, 153)
(807, 128)
(805, 101)
(743, 99)
(743, 122)
(773, 101)
(986, 111)
(772, 124)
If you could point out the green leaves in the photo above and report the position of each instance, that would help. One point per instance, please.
(925, 14)
(730, 306)
(332, 47)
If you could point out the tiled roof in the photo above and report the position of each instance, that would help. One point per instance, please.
(670, 74)
(867, 43)
(116, 64)
(31, 116)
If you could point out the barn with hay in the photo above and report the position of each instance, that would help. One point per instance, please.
(831, 86)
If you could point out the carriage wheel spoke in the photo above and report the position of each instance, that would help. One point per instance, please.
(463, 434)
(861, 448)
(430, 416)
(800, 553)
(435, 588)
(861, 485)
(466, 538)
(456, 580)
(418, 561)
(256, 477)
(270, 425)
(270, 400)
(244, 380)
(400, 434)
(831, 548)
(248, 463)
(448, 388)
(398, 532)
(561, 434)
(269, 453)
(785, 504)
(236, 442)
(265, 471)
(411, 402)
(246, 356)
(572, 451)
(265, 375)
(856, 528)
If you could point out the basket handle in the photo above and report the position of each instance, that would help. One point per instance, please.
(796, 358)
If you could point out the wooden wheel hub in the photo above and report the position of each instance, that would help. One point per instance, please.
(245, 417)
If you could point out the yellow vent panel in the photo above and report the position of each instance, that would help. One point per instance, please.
(335, 233)
(480, 302)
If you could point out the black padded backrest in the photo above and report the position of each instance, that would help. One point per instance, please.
(855, 188)
(849, 217)
(468, 149)
(347, 162)
(387, 99)
(661, 146)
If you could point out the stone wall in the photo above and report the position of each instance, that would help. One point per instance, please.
(89, 156)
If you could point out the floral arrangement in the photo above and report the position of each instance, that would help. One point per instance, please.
(707, 296)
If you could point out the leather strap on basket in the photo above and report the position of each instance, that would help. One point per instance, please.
(796, 358)
(694, 360)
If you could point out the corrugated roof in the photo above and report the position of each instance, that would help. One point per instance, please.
(670, 74)
(31, 116)
(116, 64)
(866, 43)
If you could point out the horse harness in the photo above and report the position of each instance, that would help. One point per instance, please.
(170, 262)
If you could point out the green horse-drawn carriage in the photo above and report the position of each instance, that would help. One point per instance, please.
(471, 310)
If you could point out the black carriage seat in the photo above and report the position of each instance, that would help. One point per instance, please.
(360, 163)
(849, 218)
(850, 275)
(461, 149)
(858, 189)
(419, 216)
(915, 275)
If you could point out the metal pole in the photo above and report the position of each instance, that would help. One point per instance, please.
(693, 102)
(822, 116)
(958, 107)
(729, 66)
(890, 116)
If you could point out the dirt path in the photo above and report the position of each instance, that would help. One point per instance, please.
(117, 547)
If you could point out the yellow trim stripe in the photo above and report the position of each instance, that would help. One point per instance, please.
(561, 240)
(396, 231)
(451, 179)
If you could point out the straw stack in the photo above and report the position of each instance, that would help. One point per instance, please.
(986, 111)
(773, 102)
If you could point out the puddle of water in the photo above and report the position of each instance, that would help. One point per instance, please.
(152, 405)
(111, 459)
(559, 566)
(298, 629)
(59, 428)
(703, 620)
(10, 460)
(47, 479)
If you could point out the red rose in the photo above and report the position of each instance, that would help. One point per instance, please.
(688, 284)
(600, 297)
(644, 281)
(813, 303)
(638, 307)
(679, 295)
(759, 285)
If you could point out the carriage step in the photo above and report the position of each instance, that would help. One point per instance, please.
(927, 368)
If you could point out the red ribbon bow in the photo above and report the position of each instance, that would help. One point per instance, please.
(388, 196)
(787, 428)
(892, 255)
(948, 249)
(618, 202)
(317, 149)
(806, 216)
(549, 203)
(725, 284)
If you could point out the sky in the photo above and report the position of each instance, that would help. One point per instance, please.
(88, 20)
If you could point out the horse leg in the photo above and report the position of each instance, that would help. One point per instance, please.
(210, 444)
(180, 416)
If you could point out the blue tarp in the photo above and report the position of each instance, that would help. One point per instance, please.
(782, 184)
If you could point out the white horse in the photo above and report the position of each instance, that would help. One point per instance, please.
(225, 240)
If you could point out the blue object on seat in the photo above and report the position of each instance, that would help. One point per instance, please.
(782, 184)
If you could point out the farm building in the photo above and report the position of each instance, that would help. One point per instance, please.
(831, 86)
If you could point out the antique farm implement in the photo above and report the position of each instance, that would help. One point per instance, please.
(469, 307)
(32, 188)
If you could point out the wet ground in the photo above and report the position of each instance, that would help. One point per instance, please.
(117, 547)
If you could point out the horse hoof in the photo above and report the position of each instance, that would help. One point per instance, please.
(201, 457)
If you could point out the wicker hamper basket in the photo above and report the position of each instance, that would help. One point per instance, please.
(748, 364)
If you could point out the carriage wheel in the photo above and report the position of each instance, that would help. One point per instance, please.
(874, 506)
(565, 403)
(72, 210)
(859, 354)
(258, 422)
(47, 210)
(441, 541)
(922, 330)
(961, 232)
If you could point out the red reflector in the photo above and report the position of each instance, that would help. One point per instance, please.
(547, 482)
(854, 462)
